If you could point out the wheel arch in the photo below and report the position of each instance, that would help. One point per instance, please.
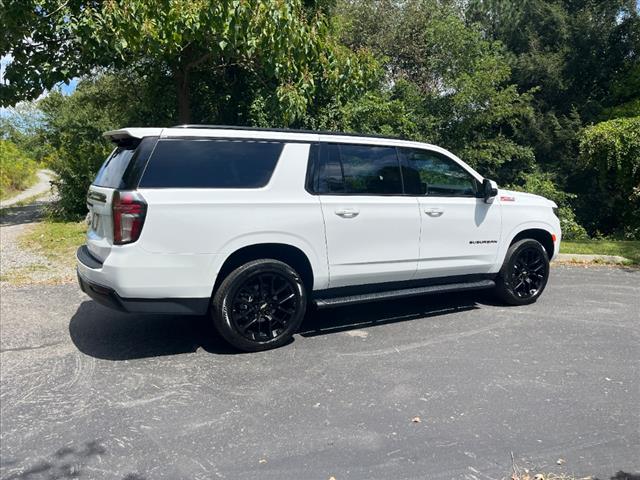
(543, 236)
(289, 254)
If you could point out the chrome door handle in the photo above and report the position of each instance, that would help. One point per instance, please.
(434, 212)
(347, 212)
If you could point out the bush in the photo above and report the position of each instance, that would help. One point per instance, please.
(17, 171)
(76, 168)
(544, 184)
(612, 148)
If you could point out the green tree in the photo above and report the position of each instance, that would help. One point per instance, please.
(579, 58)
(73, 127)
(612, 149)
(281, 44)
(22, 126)
(453, 82)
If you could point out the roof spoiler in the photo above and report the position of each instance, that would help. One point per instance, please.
(127, 136)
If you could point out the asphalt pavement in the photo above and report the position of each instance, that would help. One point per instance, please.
(86, 392)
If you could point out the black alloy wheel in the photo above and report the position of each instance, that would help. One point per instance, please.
(259, 305)
(529, 273)
(524, 274)
(263, 306)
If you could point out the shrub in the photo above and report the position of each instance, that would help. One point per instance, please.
(612, 148)
(17, 171)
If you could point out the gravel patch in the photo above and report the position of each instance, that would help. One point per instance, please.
(19, 266)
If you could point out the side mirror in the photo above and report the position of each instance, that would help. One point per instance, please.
(489, 190)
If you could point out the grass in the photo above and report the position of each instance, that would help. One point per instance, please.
(629, 249)
(57, 241)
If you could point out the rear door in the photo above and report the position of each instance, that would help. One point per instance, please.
(372, 228)
(120, 171)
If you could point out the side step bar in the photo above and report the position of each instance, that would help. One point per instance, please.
(404, 293)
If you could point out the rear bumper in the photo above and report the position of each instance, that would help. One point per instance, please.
(107, 296)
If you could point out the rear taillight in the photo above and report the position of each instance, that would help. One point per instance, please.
(129, 211)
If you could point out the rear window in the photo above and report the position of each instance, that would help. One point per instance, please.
(122, 169)
(112, 170)
(211, 164)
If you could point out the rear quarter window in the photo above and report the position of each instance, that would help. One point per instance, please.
(211, 164)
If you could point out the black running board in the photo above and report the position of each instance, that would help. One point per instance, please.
(403, 293)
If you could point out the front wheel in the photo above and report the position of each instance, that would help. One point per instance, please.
(260, 305)
(524, 274)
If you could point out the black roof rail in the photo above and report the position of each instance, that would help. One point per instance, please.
(286, 130)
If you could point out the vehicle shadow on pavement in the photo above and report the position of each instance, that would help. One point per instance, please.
(110, 335)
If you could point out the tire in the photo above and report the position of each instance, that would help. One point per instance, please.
(259, 305)
(524, 274)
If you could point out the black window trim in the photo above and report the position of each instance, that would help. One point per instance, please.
(322, 157)
(143, 160)
(315, 160)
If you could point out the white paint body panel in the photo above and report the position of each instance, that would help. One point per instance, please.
(379, 244)
(449, 224)
(189, 233)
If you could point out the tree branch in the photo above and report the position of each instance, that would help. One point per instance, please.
(197, 62)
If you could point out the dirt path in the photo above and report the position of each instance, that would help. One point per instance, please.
(41, 189)
(17, 264)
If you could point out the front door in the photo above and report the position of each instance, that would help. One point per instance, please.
(372, 229)
(460, 232)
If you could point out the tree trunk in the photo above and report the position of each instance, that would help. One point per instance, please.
(184, 107)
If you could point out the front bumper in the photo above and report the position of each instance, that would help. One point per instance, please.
(107, 296)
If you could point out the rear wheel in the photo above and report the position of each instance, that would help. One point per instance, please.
(260, 305)
(524, 274)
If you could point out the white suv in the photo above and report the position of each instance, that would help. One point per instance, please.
(254, 225)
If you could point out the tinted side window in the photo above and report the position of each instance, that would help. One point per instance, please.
(360, 169)
(211, 164)
(434, 174)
